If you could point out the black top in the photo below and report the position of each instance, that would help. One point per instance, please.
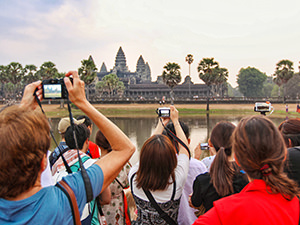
(292, 166)
(205, 193)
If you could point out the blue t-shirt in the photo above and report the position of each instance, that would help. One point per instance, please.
(50, 205)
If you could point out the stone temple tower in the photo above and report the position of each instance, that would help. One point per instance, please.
(120, 62)
(143, 70)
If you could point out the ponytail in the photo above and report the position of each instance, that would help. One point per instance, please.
(222, 172)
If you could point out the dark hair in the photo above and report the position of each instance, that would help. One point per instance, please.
(290, 129)
(102, 142)
(157, 163)
(87, 120)
(171, 127)
(260, 150)
(222, 171)
(25, 140)
(82, 133)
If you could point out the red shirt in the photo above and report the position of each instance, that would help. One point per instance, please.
(93, 150)
(253, 205)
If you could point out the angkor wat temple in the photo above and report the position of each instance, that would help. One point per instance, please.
(138, 84)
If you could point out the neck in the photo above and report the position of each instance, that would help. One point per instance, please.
(31, 191)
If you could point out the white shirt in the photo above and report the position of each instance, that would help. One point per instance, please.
(161, 196)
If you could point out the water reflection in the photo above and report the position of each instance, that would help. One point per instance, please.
(140, 129)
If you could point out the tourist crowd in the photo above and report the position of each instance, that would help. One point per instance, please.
(251, 176)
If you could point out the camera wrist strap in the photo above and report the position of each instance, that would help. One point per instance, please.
(85, 177)
(176, 138)
(52, 135)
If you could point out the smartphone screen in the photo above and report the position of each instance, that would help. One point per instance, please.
(52, 90)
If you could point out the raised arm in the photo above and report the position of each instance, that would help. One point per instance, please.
(179, 132)
(159, 127)
(122, 147)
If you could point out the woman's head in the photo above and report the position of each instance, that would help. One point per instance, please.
(260, 150)
(222, 170)
(24, 138)
(290, 130)
(102, 142)
(157, 163)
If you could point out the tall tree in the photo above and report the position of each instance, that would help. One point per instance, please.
(87, 72)
(3, 78)
(284, 71)
(47, 70)
(111, 84)
(15, 73)
(30, 74)
(189, 59)
(207, 69)
(171, 77)
(251, 82)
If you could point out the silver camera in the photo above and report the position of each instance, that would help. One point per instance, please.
(163, 112)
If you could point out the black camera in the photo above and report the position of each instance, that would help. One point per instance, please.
(55, 89)
(163, 112)
(204, 146)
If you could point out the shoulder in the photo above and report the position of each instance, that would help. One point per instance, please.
(203, 177)
(197, 166)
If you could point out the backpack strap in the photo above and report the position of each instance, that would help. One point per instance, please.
(72, 199)
(162, 214)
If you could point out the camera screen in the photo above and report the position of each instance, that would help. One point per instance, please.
(165, 112)
(52, 90)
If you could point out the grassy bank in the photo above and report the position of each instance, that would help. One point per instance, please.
(141, 110)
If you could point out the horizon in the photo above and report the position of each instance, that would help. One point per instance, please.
(237, 34)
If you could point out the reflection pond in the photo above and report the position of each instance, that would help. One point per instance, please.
(140, 129)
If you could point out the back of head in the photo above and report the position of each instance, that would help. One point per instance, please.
(222, 171)
(24, 138)
(82, 133)
(260, 150)
(102, 142)
(290, 130)
(157, 163)
(87, 120)
(171, 127)
(221, 134)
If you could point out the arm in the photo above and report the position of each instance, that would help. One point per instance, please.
(122, 147)
(105, 196)
(159, 127)
(179, 132)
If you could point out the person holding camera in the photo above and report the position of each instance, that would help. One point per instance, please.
(225, 176)
(158, 179)
(270, 197)
(290, 131)
(25, 140)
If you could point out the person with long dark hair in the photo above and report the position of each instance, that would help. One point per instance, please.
(160, 173)
(290, 131)
(270, 197)
(225, 176)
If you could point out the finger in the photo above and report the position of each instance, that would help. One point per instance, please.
(68, 83)
(73, 73)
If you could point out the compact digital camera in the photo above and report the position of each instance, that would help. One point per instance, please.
(55, 89)
(163, 112)
(204, 146)
(263, 107)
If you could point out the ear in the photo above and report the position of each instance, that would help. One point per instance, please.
(44, 163)
(209, 143)
(189, 140)
(290, 143)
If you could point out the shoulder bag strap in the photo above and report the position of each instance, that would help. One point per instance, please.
(72, 199)
(163, 215)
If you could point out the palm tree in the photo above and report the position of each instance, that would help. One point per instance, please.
(3, 77)
(171, 77)
(189, 59)
(30, 74)
(15, 73)
(207, 73)
(47, 70)
(284, 72)
(87, 72)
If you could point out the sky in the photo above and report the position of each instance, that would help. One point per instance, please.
(236, 33)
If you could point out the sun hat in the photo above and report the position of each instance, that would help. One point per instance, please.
(64, 123)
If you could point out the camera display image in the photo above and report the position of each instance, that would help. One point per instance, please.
(163, 112)
(52, 90)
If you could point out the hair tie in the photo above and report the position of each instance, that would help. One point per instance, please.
(266, 170)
